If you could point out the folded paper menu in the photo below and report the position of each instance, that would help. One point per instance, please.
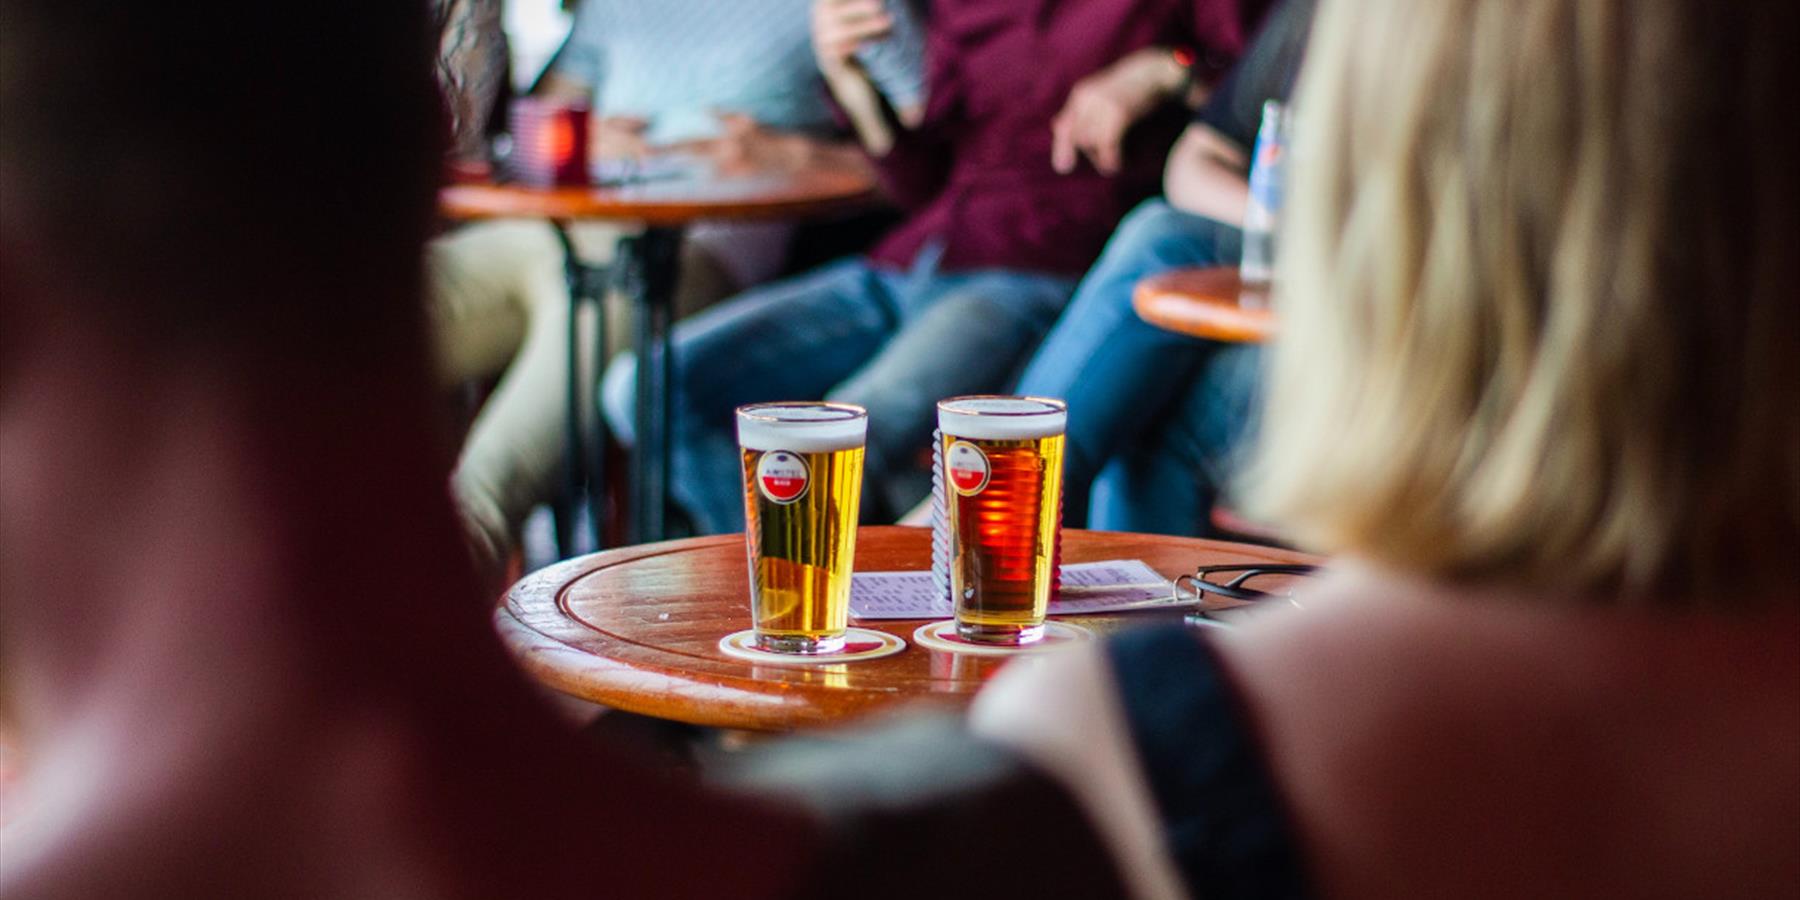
(1096, 587)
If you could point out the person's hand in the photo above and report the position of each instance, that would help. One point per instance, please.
(618, 137)
(743, 146)
(1104, 105)
(839, 27)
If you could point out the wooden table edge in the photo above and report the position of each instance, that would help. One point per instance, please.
(533, 650)
(637, 688)
(561, 666)
(1212, 321)
(472, 202)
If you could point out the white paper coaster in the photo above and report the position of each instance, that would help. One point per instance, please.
(859, 644)
(942, 636)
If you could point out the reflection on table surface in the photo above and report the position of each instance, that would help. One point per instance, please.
(637, 628)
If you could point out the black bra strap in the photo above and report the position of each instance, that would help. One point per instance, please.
(1222, 817)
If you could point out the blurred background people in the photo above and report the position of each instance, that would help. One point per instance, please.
(224, 639)
(225, 644)
(1155, 417)
(1559, 653)
(731, 85)
(1042, 124)
(1536, 391)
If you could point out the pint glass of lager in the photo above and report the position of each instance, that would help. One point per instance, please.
(1003, 466)
(803, 466)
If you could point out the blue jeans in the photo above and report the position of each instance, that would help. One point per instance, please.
(1168, 482)
(1124, 378)
(895, 342)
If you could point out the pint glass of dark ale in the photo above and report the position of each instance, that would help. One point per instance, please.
(803, 465)
(1002, 461)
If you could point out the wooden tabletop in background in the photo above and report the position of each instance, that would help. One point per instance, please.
(670, 201)
(1210, 303)
(637, 629)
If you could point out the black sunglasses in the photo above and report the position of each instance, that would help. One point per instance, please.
(1217, 590)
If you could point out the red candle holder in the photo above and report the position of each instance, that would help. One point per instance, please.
(550, 143)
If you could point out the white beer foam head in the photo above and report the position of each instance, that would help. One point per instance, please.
(801, 427)
(1002, 418)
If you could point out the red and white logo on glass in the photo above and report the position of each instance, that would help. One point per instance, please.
(782, 476)
(968, 468)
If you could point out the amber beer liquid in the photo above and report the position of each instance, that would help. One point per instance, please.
(1003, 469)
(803, 466)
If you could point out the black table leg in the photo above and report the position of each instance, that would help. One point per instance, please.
(654, 257)
(584, 434)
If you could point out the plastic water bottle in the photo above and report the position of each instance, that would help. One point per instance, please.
(1268, 173)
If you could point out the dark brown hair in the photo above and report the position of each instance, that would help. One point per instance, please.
(221, 176)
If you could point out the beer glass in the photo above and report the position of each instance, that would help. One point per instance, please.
(803, 466)
(1003, 468)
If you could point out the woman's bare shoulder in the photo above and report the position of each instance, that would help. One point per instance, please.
(1444, 730)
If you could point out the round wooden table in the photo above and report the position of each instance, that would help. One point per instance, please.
(646, 273)
(670, 201)
(1210, 303)
(637, 628)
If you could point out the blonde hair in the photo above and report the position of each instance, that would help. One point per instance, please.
(1538, 296)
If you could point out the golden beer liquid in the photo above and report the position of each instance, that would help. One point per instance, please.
(801, 552)
(1006, 539)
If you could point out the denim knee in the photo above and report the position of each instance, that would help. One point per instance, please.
(1149, 220)
(1160, 236)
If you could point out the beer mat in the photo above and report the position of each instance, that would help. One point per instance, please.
(1097, 587)
(943, 636)
(859, 644)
